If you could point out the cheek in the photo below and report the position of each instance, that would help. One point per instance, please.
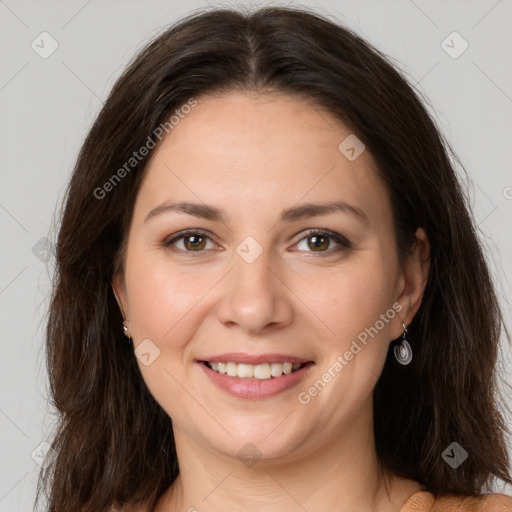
(358, 308)
(164, 305)
(162, 295)
(350, 298)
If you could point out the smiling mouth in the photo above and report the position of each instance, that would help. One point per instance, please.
(263, 371)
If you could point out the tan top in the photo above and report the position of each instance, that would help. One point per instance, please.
(424, 501)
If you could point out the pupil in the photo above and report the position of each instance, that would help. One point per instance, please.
(194, 241)
(316, 238)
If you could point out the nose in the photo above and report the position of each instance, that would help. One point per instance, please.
(255, 296)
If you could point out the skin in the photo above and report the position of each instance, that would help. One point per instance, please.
(254, 155)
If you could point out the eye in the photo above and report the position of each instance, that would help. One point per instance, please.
(320, 241)
(193, 240)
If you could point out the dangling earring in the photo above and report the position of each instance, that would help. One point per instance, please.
(403, 352)
(125, 330)
(125, 323)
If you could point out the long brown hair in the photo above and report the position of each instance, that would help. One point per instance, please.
(114, 444)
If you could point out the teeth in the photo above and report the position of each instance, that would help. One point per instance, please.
(231, 369)
(259, 371)
(245, 370)
(276, 369)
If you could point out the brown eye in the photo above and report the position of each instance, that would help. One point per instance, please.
(191, 241)
(318, 242)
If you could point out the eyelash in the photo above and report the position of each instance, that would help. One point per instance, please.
(339, 239)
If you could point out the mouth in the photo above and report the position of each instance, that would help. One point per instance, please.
(262, 371)
(255, 376)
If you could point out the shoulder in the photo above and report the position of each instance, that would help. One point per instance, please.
(424, 501)
(481, 503)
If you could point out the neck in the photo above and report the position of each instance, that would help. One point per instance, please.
(342, 474)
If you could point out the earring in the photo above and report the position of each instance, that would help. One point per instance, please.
(125, 330)
(403, 352)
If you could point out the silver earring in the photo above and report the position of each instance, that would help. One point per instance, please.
(403, 352)
(125, 330)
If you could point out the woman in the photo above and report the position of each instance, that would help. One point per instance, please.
(266, 212)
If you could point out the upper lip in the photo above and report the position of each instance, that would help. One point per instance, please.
(254, 359)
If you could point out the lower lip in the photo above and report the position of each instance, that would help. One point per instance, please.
(256, 388)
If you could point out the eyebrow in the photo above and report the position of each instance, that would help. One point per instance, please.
(294, 213)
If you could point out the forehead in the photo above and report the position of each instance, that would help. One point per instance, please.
(249, 151)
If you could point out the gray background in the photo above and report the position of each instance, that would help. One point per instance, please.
(48, 105)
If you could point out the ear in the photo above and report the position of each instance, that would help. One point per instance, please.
(413, 280)
(119, 289)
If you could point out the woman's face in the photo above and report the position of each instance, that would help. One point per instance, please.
(257, 287)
